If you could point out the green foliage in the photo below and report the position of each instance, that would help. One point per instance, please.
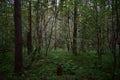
(74, 67)
(79, 67)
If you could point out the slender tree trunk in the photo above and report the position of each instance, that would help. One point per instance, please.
(113, 41)
(117, 3)
(39, 26)
(55, 44)
(68, 40)
(18, 37)
(74, 46)
(108, 26)
(55, 6)
(69, 36)
(98, 29)
(29, 31)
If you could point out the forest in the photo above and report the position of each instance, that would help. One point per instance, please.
(59, 39)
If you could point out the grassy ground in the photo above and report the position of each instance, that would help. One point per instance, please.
(81, 67)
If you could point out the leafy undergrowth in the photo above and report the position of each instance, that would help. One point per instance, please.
(80, 67)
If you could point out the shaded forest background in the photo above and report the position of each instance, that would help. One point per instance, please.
(59, 40)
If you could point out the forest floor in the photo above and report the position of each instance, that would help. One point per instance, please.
(60, 65)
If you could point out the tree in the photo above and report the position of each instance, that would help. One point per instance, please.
(98, 29)
(18, 37)
(29, 33)
(55, 6)
(117, 3)
(38, 25)
(114, 38)
(74, 44)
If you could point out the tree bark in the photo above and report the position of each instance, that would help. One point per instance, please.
(18, 37)
(55, 43)
(29, 31)
(39, 26)
(98, 29)
(117, 3)
(113, 41)
(74, 46)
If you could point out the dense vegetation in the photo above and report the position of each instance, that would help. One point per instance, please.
(59, 40)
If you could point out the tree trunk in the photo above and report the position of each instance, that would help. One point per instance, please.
(98, 29)
(18, 37)
(113, 41)
(39, 26)
(117, 3)
(74, 46)
(55, 43)
(29, 33)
